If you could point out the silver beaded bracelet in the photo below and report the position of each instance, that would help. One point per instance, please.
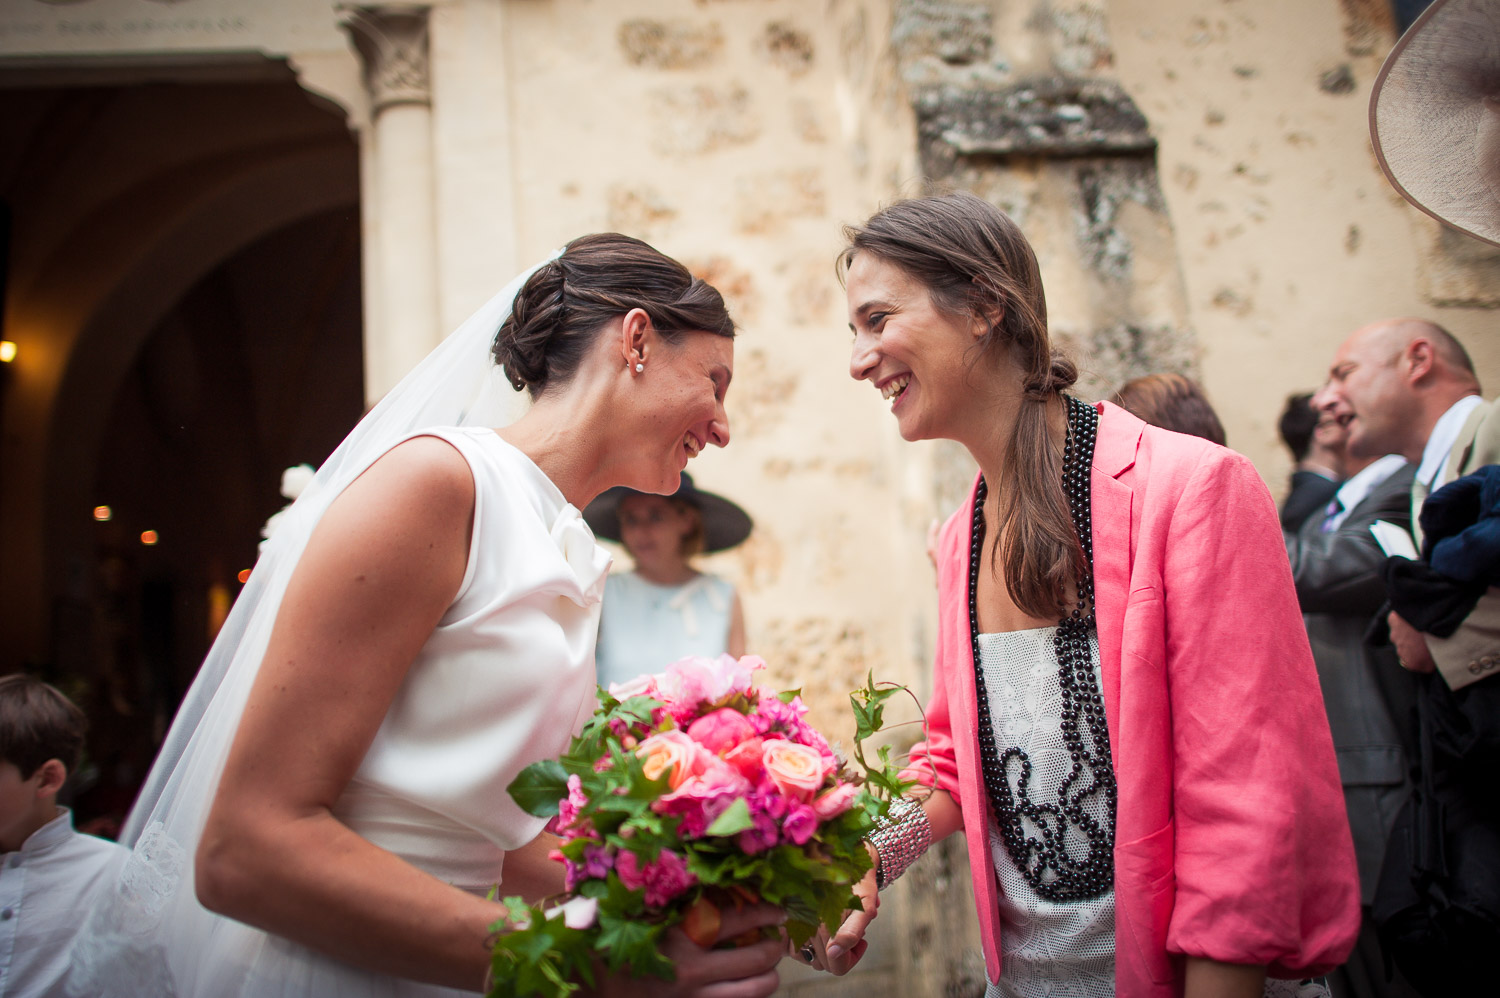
(899, 838)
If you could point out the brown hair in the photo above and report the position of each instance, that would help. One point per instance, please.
(38, 723)
(974, 261)
(1172, 402)
(563, 305)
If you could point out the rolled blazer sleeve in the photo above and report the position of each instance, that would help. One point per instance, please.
(1264, 863)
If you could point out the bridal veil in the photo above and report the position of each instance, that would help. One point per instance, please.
(119, 949)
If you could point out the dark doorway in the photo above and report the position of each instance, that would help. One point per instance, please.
(185, 255)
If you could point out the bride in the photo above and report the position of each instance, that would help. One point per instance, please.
(330, 808)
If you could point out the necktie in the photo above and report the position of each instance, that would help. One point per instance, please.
(1331, 518)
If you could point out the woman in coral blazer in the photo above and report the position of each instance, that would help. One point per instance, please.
(1225, 854)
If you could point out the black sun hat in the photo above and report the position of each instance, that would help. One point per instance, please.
(724, 523)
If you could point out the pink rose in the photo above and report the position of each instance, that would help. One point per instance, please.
(691, 681)
(687, 682)
(836, 801)
(640, 686)
(721, 730)
(668, 753)
(797, 770)
(800, 824)
(746, 757)
(702, 798)
(664, 878)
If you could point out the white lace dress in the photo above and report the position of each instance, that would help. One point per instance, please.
(505, 680)
(1048, 949)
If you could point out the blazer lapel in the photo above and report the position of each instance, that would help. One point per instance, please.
(1113, 513)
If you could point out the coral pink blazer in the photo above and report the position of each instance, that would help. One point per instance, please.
(1231, 840)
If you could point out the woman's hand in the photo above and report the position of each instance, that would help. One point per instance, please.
(745, 972)
(839, 955)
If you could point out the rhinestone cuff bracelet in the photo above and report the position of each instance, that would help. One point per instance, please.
(899, 839)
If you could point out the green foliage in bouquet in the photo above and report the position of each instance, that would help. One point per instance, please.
(697, 794)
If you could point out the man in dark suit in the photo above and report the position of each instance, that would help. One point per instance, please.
(1336, 564)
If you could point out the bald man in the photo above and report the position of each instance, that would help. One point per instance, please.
(1406, 386)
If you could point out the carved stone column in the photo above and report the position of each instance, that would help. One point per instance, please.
(402, 305)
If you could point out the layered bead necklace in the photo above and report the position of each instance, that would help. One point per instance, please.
(1051, 858)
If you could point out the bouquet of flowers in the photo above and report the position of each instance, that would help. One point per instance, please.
(686, 792)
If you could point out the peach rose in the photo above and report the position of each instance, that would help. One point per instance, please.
(797, 770)
(669, 753)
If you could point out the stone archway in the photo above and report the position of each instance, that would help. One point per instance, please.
(162, 231)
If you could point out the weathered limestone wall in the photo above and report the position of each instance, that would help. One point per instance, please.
(1288, 234)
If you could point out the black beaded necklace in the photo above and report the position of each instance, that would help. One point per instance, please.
(1049, 859)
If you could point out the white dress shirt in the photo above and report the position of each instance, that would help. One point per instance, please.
(46, 886)
(1358, 486)
(1444, 435)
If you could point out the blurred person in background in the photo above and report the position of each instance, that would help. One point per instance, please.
(49, 872)
(1407, 386)
(1172, 402)
(1317, 447)
(1337, 568)
(664, 609)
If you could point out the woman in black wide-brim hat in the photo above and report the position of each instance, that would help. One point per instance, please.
(665, 609)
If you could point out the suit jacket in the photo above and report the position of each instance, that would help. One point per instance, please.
(1472, 652)
(1369, 697)
(1231, 841)
(1309, 493)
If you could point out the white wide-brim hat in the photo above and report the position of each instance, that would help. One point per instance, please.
(1435, 115)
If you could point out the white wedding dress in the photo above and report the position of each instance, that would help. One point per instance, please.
(505, 680)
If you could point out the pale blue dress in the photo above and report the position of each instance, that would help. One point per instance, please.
(646, 627)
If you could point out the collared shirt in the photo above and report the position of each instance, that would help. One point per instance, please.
(45, 888)
(1444, 435)
(1358, 486)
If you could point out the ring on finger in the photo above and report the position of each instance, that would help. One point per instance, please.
(808, 953)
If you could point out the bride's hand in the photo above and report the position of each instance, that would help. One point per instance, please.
(746, 972)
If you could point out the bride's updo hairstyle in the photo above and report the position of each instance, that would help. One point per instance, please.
(975, 262)
(562, 307)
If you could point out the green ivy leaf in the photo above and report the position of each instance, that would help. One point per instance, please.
(735, 819)
(540, 787)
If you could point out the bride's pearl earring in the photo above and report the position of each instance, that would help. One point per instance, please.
(639, 368)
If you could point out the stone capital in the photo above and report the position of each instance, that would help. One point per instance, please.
(392, 43)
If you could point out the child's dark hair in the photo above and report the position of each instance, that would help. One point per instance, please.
(38, 723)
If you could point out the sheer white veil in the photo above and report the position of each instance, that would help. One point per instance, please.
(458, 384)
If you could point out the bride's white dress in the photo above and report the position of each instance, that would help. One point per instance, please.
(505, 680)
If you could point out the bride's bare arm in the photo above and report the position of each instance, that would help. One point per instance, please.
(376, 577)
(530, 874)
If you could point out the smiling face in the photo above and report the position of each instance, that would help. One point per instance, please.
(681, 393)
(1368, 395)
(916, 355)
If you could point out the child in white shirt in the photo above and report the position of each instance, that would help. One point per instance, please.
(49, 873)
